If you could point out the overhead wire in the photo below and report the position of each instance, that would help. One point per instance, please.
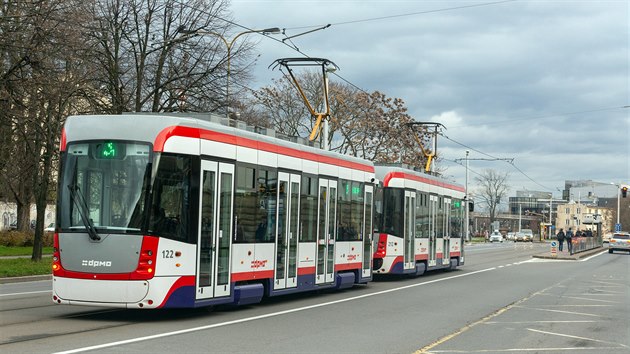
(500, 159)
(408, 14)
(295, 48)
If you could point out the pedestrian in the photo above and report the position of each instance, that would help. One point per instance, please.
(560, 237)
(568, 236)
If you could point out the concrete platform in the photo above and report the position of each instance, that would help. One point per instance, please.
(574, 257)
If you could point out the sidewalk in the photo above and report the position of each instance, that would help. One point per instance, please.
(574, 257)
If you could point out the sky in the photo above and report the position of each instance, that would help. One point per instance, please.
(543, 83)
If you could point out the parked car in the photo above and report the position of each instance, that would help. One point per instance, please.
(511, 236)
(496, 237)
(50, 227)
(620, 241)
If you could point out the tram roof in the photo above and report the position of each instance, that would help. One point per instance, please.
(148, 126)
(382, 171)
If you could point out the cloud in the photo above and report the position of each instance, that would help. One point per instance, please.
(540, 82)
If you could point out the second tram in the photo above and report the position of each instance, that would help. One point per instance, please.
(419, 222)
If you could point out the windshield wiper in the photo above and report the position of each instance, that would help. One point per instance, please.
(83, 209)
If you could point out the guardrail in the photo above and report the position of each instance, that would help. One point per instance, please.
(581, 244)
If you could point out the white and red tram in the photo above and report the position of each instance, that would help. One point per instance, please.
(160, 211)
(419, 222)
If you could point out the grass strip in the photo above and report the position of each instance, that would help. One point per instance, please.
(21, 251)
(21, 267)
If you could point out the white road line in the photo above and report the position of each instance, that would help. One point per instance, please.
(274, 314)
(559, 311)
(576, 337)
(593, 256)
(580, 305)
(569, 349)
(549, 321)
(28, 293)
(584, 298)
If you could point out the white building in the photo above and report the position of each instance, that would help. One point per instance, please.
(573, 215)
(8, 212)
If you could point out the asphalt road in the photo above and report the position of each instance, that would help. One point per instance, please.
(501, 301)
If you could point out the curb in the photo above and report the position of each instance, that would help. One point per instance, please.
(25, 279)
(573, 257)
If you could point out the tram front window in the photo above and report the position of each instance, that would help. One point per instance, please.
(105, 181)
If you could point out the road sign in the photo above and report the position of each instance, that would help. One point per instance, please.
(554, 248)
(617, 227)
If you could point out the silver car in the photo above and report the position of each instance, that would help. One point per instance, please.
(496, 236)
(620, 241)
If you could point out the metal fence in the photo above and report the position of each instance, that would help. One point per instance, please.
(581, 244)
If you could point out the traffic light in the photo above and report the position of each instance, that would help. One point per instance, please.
(471, 206)
(624, 191)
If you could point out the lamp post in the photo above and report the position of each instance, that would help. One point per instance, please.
(228, 44)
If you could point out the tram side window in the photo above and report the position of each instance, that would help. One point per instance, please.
(308, 210)
(457, 219)
(441, 213)
(393, 211)
(350, 211)
(246, 208)
(378, 209)
(356, 220)
(171, 194)
(267, 200)
(422, 215)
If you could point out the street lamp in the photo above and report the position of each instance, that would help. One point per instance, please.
(228, 44)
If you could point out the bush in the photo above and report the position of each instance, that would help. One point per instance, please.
(15, 238)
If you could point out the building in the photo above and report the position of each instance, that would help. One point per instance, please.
(574, 215)
(588, 192)
(8, 212)
(530, 202)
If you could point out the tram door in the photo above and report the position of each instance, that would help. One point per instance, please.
(409, 237)
(287, 215)
(215, 229)
(433, 209)
(326, 230)
(368, 233)
(446, 249)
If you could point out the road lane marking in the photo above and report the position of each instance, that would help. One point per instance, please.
(254, 318)
(527, 350)
(27, 293)
(584, 298)
(427, 349)
(559, 311)
(547, 321)
(576, 337)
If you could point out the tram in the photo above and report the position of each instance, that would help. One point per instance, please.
(169, 211)
(419, 222)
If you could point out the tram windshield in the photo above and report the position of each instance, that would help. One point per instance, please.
(103, 186)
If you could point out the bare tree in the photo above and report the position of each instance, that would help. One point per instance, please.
(370, 126)
(492, 189)
(38, 85)
(145, 61)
